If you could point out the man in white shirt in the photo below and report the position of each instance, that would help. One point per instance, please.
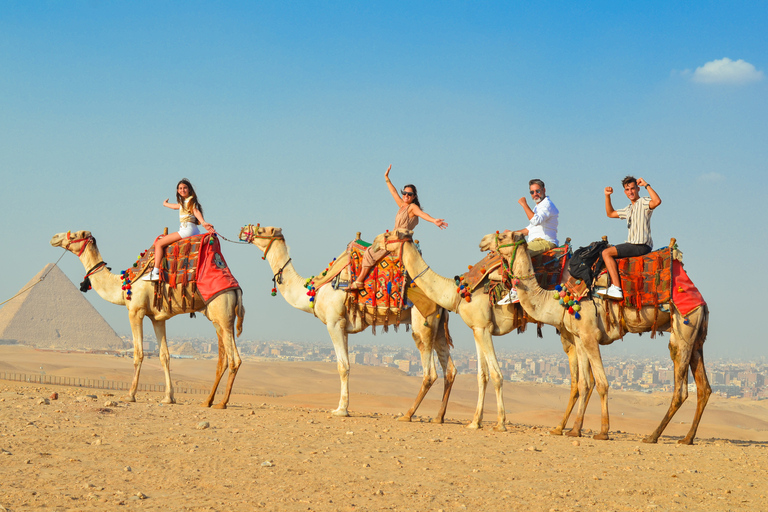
(638, 217)
(541, 232)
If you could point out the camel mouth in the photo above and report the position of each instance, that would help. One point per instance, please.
(58, 239)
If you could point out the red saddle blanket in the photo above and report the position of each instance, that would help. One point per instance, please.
(647, 280)
(685, 295)
(384, 287)
(195, 261)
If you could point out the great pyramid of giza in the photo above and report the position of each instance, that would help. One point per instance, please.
(53, 314)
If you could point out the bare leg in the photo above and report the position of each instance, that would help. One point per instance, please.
(609, 256)
(163, 242)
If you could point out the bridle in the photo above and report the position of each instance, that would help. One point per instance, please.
(252, 233)
(88, 239)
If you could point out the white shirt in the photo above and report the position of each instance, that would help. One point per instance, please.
(543, 224)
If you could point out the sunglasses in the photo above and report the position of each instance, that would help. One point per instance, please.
(408, 193)
(537, 191)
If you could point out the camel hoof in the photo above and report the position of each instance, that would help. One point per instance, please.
(687, 441)
(406, 419)
(556, 432)
(219, 406)
(649, 440)
(573, 433)
(601, 437)
(129, 398)
(167, 400)
(205, 404)
(500, 428)
(474, 426)
(438, 420)
(340, 412)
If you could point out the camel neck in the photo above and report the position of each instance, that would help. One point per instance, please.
(535, 300)
(438, 288)
(104, 282)
(290, 284)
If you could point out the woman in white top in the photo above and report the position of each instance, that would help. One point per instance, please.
(190, 216)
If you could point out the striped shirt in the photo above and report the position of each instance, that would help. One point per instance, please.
(638, 216)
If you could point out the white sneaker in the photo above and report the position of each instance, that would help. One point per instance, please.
(154, 275)
(600, 291)
(614, 292)
(510, 298)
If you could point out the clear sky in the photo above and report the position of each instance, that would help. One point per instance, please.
(288, 113)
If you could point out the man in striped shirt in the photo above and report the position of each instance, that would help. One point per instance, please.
(638, 217)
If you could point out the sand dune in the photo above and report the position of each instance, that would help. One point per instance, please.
(288, 453)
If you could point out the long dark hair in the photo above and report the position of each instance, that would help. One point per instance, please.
(193, 203)
(415, 194)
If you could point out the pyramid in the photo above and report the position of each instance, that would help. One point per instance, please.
(53, 314)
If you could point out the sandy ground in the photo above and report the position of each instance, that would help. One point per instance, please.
(96, 452)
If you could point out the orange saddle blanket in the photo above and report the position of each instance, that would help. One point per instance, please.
(647, 280)
(384, 287)
(191, 264)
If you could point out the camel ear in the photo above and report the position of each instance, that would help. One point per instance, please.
(402, 234)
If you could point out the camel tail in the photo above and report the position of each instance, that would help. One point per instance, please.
(444, 319)
(240, 312)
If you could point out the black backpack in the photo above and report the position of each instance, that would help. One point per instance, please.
(582, 263)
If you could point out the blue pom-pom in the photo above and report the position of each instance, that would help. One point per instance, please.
(686, 321)
(311, 299)
(576, 316)
(558, 288)
(128, 292)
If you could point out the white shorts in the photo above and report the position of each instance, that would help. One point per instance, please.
(188, 229)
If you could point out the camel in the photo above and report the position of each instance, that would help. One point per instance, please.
(222, 310)
(600, 324)
(486, 321)
(429, 333)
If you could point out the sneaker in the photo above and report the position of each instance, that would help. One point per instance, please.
(600, 291)
(154, 275)
(510, 298)
(614, 292)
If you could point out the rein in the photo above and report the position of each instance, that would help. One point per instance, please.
(277, 278)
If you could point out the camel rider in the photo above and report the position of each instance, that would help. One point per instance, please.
(638, 217)
(541, 232)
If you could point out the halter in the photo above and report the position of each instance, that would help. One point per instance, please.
(253, 234)
(514, 255)
(88, 239)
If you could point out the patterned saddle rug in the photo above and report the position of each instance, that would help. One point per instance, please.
(192, 269)
(383, 297)
(645, 280)
(548, 266)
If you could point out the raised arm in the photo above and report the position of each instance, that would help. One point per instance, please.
(424, 215)
(608, 205)
(172, 206)
(524, 203)
(655, 199)
(392, 189)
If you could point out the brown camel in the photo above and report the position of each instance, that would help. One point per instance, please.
(429, 333)
(222, 310)
(485, 320)
(600, 325)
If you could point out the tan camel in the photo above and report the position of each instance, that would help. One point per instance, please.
(485, 321)
(222, 310)
(430, 333)
(599, 325)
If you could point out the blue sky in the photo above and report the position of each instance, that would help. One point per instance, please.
(287, 114)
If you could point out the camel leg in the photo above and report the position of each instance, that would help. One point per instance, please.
(423, 336)
(703, 390)
(592, 348)
(221, 365)
(338, 332)
(136, 320)
(490, 365)
(233, 357)
(680, 392)
(585, 383)
(573, 364)
(443, 350)
(165, 359)
(482, 382)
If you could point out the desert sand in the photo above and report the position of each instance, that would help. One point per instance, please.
(279, 448)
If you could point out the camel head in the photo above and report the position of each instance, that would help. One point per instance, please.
(73, 242)
(393, 240)
(505, 243)
(260, 237)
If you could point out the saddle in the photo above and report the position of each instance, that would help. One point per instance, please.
(193, 272)
(645, 280)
